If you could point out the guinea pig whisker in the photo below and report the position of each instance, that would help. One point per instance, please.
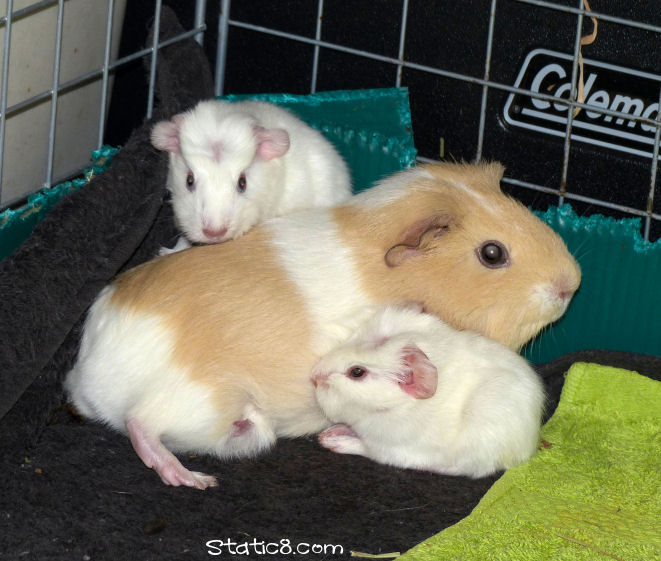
(578, 250)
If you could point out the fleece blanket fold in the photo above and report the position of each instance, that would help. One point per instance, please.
(593, 491)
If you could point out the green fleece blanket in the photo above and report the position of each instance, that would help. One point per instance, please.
(592, 492)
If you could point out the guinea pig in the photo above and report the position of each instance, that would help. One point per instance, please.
(408, 390)
(180, 348)
(234, 164)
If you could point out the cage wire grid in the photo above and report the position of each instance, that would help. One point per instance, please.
(103, 73)
(580, 11)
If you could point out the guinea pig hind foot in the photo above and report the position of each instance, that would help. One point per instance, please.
(341, 439)
(157, 457)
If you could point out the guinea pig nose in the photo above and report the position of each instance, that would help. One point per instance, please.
(565, 289)
(565, 294)
(215, 234)
(319, 378)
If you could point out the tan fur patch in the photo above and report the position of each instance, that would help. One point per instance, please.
(372, 234)
(447, 277)
(240, 323)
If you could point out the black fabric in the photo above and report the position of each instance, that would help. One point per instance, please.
(89, 236)
(80, 492)
(76, 490)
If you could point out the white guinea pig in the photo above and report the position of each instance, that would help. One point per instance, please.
(234, 164)
(408, 390)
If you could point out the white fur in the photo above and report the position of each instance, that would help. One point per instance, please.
(335, 300)
(484, 416)
(217, 143)
(479, 199)
(545, 296)
(125, 370)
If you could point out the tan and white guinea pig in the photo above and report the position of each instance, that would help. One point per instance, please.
(210, 349)
(233, 165)
(408, 390)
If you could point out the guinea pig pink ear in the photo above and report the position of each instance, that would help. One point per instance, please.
(420, 376)
(165, 135)
(271, 143)
(417, 239)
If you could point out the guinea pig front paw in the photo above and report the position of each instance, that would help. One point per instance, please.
(166, 251)
(182, 243)
(341, 439)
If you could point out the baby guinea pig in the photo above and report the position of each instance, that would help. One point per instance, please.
(234, 164)
(407, 390)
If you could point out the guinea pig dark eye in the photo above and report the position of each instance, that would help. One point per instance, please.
(190, 181)
(492, 254)
(356, 372)
(242, 183)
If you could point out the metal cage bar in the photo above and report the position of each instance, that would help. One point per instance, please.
(105, 74)
(18, 14)
(485, 88)
(221, 55)
(54, 95)
(5, 83)
(402, 42)
(570, 108)
(200, 10)
(655, 163)
(95, 74)
(154, 58)
(439, 71)
(433, 70)
(315, 56)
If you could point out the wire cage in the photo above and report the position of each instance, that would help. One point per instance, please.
(566, 96)
(565, 93)
(59, 61)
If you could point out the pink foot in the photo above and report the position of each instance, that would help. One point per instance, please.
(341, 439)
(156, 456)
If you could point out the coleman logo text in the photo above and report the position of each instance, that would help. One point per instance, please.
(633, 94)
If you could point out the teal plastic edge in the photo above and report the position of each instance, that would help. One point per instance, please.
(564, 218)
(334, 106)
(17, 224)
